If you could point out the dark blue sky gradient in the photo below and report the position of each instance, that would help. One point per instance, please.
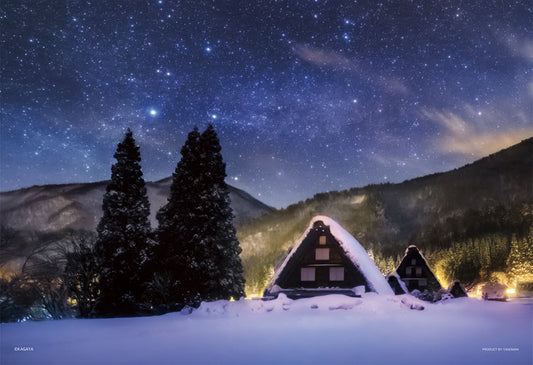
(307, 96)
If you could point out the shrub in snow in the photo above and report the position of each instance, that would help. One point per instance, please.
(427, 295)
(444, 295)
(431, 295)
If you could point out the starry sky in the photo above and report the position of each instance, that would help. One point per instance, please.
(307, 95)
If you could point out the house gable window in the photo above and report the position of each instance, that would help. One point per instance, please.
(336, 274)
(418, 271)
(322, 240)
(322, 254)
(408, 270)
(307, 274)
(413, 261)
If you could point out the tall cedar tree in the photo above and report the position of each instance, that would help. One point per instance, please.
(176, 229)
(225, 272)
(123, 235)
(197, 242)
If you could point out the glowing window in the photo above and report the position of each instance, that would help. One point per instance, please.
(322, 240)
(322, 254)
(336, 274)
(307, 274)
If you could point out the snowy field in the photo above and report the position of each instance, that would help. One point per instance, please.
(326, 330)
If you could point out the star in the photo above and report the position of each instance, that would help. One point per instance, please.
(312, 83)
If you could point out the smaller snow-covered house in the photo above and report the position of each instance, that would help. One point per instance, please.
(415, 272)
(457, 290)
(327, 260)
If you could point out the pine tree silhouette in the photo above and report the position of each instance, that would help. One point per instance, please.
(123, 235)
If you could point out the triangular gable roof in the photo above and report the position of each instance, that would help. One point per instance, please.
(415, 249)
(353, 250)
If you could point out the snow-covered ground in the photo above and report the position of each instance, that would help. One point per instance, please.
(325, 330)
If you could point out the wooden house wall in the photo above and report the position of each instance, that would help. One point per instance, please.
(305, 257)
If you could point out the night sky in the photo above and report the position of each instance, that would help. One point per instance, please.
(307, 96)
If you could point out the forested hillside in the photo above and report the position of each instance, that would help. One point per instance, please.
(463, 220)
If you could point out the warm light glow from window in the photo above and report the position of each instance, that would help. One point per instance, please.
(307, 274)
(336, 274)
(322, 254)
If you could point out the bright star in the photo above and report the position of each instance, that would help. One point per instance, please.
(153, 112)
(214, 116)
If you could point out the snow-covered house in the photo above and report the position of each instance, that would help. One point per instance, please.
(327, 260)
(457, 290)
(415, 272)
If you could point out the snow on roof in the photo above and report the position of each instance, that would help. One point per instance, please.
(400, 281)
(353, 250)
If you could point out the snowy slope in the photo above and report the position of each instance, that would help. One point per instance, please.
(324, 330)
(52, 208)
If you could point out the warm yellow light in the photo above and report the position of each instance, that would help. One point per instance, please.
(510, 291)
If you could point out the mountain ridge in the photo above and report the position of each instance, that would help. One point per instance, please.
(78, 205)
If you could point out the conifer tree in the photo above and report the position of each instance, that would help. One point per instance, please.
(197, 245)
(520, 260)
(225, 271)
(178, 220)
(123, 235)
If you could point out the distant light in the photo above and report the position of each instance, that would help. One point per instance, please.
(213, 116)
(153, 112)
(355, 101)
(511, 291)
(479, 113)
(208, 49)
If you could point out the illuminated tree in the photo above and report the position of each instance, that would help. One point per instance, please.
(520, 260)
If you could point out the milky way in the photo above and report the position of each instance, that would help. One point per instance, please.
(307, 96)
